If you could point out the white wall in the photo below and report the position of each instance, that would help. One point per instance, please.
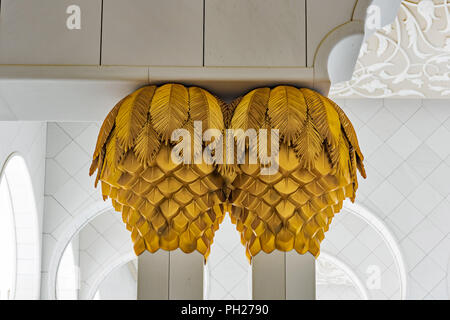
(104, 244)
(68, 187)
(407, 150)
(29, 140)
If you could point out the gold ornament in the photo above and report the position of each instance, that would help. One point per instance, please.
(318, 158)
(168, 205)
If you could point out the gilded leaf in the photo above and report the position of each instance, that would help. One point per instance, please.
(308, 144)
(133, 114)
(250, 114)
(287, 112)
(114, 152)
(251, 110)
(344, 158)
(94, 166)
(326, 120)
(352, 163)
(169, 109)
(147, 145)
(206, 108)
(195, 135)
(228, 110)
(100, 166)
(228, 170)
(106, 129)
(351, 136)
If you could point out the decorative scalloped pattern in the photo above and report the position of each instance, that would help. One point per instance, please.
(168, 206)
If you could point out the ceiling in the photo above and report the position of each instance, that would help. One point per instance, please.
(408, 58)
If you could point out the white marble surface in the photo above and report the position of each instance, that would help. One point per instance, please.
(152, 32)
(255, 33)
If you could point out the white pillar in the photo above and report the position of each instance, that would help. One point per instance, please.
(283, 276)
(300, 276)
(170, 275)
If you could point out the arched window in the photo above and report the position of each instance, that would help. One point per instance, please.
(7, 242)
(119, 284)
(19, 236)
(68, 273)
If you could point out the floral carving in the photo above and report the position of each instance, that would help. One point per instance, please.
(410, 57)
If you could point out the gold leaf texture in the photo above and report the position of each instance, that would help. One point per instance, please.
(167, 205)
(292, 209)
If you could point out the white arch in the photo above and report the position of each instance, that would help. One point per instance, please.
(111, 265)
(338, 51)
(72, 227)
(351, 29)
(380, 227)
(342, 58)
(24, 204)
(86, 215)
(351, 274)
(9, 239)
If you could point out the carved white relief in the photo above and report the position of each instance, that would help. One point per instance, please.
(410, 57)
(328, 273)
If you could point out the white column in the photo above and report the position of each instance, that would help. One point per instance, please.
(185, 276)
(283, 276)
(153, 276)
(300, 276)
(170, 275)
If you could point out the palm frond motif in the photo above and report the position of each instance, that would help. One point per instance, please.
(287, 112)
(169, 205)
(165, 205)
(147, 144)
(132, 116)
(169, 109)
(318, 156)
